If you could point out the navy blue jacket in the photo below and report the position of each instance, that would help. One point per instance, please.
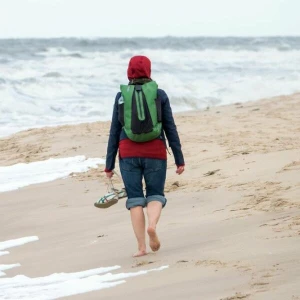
(168, 128)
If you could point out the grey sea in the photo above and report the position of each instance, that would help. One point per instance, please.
(46, 82)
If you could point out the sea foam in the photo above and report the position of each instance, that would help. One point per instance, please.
(20, 175)
(72, 81)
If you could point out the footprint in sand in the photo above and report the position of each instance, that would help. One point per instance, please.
(143, 263)
(237, 296)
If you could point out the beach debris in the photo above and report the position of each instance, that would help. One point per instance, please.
(173, 186)
(101, 235)
(209, 173)
(182, 261)
(245, 153)
(170, 187)
(256, 109)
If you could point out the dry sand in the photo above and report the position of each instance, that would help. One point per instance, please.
(230, 229)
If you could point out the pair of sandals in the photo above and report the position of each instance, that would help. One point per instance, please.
(112, 197)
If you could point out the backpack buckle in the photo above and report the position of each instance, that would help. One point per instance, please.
(138, 88)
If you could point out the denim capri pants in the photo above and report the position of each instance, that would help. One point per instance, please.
(153, 171)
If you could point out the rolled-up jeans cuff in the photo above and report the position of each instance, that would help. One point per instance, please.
(133, 202)
(159, 198)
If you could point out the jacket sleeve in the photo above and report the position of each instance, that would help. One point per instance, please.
(114, 136)
(170, 129)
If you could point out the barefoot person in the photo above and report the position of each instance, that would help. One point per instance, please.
(142, 118)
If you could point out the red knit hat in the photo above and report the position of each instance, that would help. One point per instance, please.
(139, 67)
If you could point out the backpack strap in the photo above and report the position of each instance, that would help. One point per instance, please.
(121, 110)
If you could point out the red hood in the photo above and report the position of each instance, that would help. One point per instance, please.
(139, 67)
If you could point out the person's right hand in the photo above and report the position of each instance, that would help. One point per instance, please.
(180, 170)
(109, 174)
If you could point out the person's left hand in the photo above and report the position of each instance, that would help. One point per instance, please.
(180, 170)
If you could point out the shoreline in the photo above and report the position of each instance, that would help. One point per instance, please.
(41, 127)
(230, 229)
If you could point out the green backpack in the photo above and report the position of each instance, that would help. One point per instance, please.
(140, 111)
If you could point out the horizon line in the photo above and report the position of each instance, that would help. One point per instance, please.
(147, 37)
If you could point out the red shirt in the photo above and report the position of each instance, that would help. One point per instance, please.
(152, 149)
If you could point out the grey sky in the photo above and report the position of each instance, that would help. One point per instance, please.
(121, 18)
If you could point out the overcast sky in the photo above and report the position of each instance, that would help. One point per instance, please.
(130, 18)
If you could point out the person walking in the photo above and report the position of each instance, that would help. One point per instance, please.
(142, 120)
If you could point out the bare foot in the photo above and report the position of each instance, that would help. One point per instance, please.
(154, 241)
(140, 253)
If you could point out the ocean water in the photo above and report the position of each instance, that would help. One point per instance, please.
(46, 82)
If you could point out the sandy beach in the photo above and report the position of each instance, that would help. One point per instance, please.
(230, 229)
